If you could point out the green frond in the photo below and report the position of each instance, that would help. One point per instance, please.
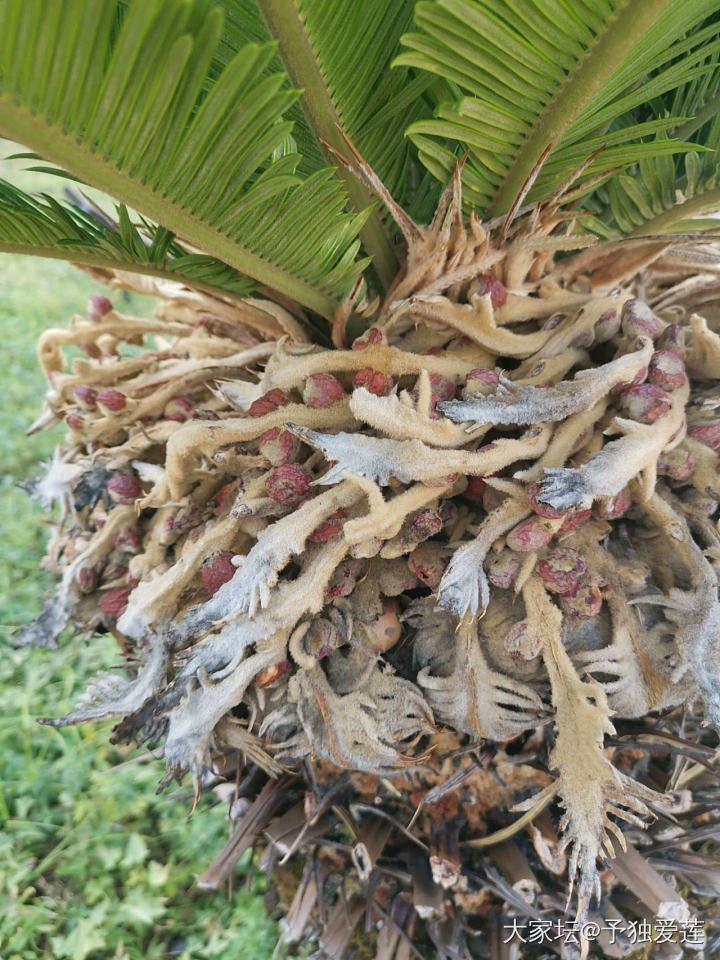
(42, 226)
(339, 55)
(131, 102)
(574, 76)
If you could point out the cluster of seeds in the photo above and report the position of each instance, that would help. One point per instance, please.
(489, 519)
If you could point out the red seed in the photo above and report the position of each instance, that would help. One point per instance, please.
(531, 534)
(86, 396)
(278, 446)
(667, 370)
(380, 384)
(97, 306)
(87, 579)
(489, 284)
(441, 387)
(584, 604)
(328, 528)
(606, 326)
(678, 464)
(481, 381)
(127, 538)
(424, 524)
(476, 487)
(179, 409)
(561, 571)
(502, 569)
(75, 420)
(522, 643)
(322, 390)
(540, 508)
(344, 579)
(114, 602)
(111, 399)
(371, 338)
(428, 562)
(268, 402)
(614, 508)
(707, 433)
(638, 320)
(644, 403)
(225, 497)
(288, 483)
(573, 521)
(124, 489)
(217, 570)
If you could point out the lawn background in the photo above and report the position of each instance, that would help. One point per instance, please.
(92, 863)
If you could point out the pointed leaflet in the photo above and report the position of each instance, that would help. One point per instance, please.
(339, 55)
(543, 73)
(134, 110)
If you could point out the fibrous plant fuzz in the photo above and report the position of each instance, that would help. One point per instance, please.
(422, 597)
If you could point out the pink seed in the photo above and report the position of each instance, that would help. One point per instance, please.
(328, 528)
(375, 382)
(428, 562)
(124, 489)
(278, 446)
(127, 538)
(111, 399)
(268, 403)
(114, 602)
(584, 604)
(522, 643)
(288, 483)
(371, 338)
(707, 433)
(424, 525)
(502, 569)
(179, 409)
(638, 320)
(489, 284)
(667, 370)
(87, 579)
(86, 396)
(217, 570)
(561, 571)
(540, 508)
(75, 420)
(573, 521)
(678, 464)
(531, 534)
(644, 403)
(614, 508)
(322, 390)
(226, 495)
(606, 326)
(97, 306)
(441, 387)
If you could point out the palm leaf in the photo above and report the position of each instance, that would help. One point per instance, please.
(545, 73)
(339, 54)
(127, 102)
(56, 230)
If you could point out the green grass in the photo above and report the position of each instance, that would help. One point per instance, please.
(92, 863)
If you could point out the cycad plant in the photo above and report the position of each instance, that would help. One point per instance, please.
(402, 507)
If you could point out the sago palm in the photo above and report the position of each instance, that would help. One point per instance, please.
(402, 507)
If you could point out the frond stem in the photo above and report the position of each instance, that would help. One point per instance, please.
(286, 26)
(593, 71)
(18, 124)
